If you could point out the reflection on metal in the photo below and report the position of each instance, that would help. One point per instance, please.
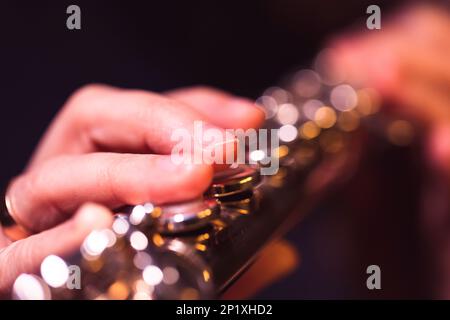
(234, 181)
(187, 216)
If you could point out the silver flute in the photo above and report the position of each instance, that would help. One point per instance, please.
(197, 249)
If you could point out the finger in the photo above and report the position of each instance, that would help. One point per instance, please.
(364, 63)
(427, 67)
(25, 256)
(422, 101)
(425, 23)
(99, 118)
(414, 45)
(3, 239)
(220, 108)
(47, 194)
(15, 232)
(416, 79)
(275, 262)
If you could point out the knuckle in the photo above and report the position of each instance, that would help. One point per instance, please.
(89, 90)
(87, 96)
(205, 90)
(108, 178)
(201, 88)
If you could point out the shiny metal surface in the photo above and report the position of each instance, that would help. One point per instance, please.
(234, 181)
(187, 216)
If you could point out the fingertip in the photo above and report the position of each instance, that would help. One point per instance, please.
(195, 180)
(247, 113)
(182, 182)
(93, 216)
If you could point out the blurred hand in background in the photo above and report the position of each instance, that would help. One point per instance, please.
(408, 62)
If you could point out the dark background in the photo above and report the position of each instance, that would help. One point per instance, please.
(242, 47)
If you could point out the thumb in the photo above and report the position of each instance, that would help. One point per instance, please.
(26, 255)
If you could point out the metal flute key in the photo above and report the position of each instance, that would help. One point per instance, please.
(197, 249)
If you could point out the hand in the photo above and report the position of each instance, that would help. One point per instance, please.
(26, 255)
(408, 62)
(112, 146)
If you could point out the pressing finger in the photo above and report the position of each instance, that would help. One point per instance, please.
(48, 194)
